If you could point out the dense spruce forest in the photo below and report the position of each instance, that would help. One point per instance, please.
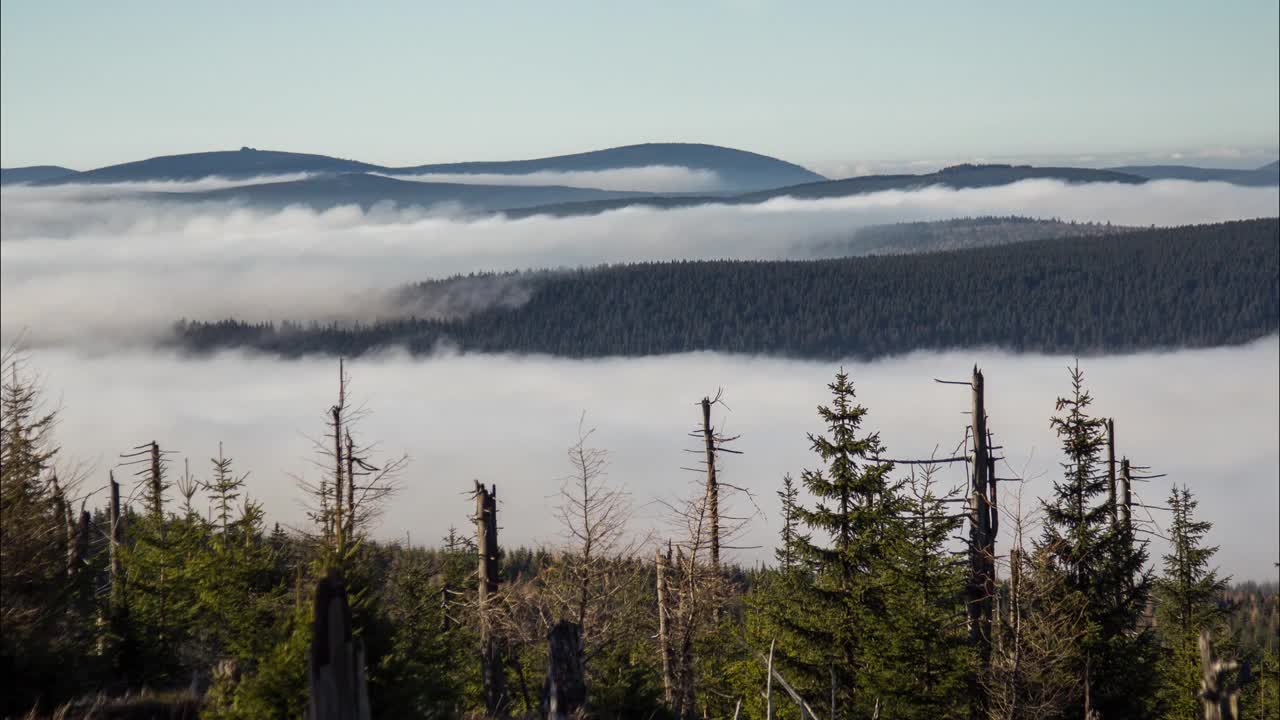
(161, 589)
(1194, 286)
(954, 234)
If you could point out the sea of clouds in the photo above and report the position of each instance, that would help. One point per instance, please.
(104, 264)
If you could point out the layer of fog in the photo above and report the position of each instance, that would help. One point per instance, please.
(100, 269)
(1208, 418)
(652, 178)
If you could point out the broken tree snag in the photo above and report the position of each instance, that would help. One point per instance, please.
(713, 489)
(1218, 692)
(351, 461)
(82, 541)
(116, 543)
(338, 468)
(338, 688)
(662, 563)
(492, 675)
(981, 544)
(565, 689)
(1126, 499)
(1111, 469)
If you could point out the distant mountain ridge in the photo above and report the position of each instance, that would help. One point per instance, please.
(33, 173)
(745, 177)
(955, 177)
(737, 170)
(1266, 175)
(517, 201)
(326, 191)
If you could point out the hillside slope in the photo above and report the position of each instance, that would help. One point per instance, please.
(1259, 177)
(328, 191)
(959, 177)
(1196, 286)
(33, 174)
(235, 164)
(737, 170)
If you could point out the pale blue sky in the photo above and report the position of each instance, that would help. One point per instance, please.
(837, 86)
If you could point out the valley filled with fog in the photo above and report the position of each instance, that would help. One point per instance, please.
(93, 274)
(99, 264)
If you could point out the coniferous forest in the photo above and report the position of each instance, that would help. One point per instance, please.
(640, 361)
(1194, 286)
(162, 589)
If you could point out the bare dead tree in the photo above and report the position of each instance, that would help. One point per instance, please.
(702, 525)
(492, 676)
(714, 443)
(349, 491)
(662, 565)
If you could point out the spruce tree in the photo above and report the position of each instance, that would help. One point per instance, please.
(1186, 598)
(788, 535)
(1101, 560)
(36, 641)
(830, 627)
(928, 660)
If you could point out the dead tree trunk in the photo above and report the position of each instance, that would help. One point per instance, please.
(492, 676)
(662, 565)
(981, 541)
(116, 544)
(1217, 688)
(687, 612)
(1126, 499)
(713, 489)
(565, 689)
(351, 460)
(82, 541)
(992, 616)
(339, 468)
(338, 688)
(1111, 469)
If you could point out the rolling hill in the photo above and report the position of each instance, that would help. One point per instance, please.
(33, 173)
(737, 170)
(959, 176)
(1195, 286)
(327, 191)
(234, 164)
(1259, 177)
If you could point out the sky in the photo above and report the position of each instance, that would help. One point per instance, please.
(840, 87)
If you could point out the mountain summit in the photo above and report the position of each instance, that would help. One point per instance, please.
(737, 170)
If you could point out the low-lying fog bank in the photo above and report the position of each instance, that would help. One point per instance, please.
(81, 265)
(1208, 418)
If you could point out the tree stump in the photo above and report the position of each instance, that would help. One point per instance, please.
(338, 689)
(565, 689)
(1218, 689)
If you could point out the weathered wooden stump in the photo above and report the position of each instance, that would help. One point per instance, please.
(338, 689)
(1218, 690)
(565, 689)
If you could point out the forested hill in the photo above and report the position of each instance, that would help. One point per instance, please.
(1194, 286)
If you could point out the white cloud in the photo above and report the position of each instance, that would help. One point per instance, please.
(1209, 418)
